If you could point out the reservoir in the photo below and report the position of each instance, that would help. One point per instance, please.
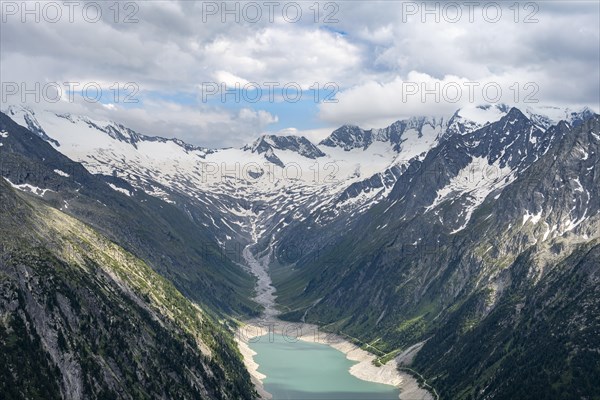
(300, 370)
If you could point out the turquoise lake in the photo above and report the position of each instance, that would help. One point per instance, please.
(298, 370)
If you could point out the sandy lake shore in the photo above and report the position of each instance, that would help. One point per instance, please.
(364, 369)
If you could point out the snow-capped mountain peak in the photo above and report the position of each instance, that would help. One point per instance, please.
(473, 117)
(298, 144)
(37, 120)
(289, 176)
(546, 116)
(348, 137)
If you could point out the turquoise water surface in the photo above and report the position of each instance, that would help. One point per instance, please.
(300, 370)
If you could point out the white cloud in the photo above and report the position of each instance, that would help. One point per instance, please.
(285, 54)
(377, 104)
(369, 53)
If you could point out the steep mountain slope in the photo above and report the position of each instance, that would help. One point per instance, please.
(454, 245)
(173, 242)
(539, 339)
(82, 318)
(540, 313)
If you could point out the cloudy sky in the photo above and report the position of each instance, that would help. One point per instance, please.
(177, 64)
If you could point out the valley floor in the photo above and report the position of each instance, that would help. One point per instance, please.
(364, 369)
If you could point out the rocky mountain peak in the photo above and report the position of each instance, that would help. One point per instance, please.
(297, 144)
(348, 137)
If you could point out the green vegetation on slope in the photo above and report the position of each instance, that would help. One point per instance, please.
(178, 247)
(82, 318)
(542, 341)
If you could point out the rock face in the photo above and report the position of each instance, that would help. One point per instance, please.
(82, 318)
(297, 144)
(350, 137)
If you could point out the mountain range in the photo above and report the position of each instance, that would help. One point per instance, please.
(474, 237)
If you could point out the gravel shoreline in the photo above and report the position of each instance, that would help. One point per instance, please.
(364, 369)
